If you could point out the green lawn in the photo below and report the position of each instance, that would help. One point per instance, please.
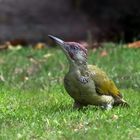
(35, 106)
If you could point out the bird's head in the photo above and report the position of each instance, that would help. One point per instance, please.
(75, 52)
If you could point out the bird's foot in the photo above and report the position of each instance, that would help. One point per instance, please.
(84, 79)
(78, 105)
(107, 106)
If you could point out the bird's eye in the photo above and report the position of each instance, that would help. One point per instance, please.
(75, 48)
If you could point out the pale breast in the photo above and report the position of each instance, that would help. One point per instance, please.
(78, 90)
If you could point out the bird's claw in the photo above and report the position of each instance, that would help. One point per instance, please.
(107, 106)
(84, 79)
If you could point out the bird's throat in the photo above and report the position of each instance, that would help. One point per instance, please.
(81, 67)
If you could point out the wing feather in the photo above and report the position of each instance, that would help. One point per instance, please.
(103, 84)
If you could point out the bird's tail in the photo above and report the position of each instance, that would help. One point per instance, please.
(121, 102)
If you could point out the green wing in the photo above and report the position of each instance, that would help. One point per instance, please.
(103, 84)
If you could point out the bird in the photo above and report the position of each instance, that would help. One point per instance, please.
(87, 84)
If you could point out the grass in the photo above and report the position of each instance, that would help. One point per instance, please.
(34, 104)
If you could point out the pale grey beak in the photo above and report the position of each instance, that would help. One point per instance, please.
(61, 43)
(57, 40)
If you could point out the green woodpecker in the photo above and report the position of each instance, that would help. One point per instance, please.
(87, 84)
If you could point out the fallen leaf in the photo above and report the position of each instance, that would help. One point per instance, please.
(2, 78)
(1, 61)
(16, 42)
(18, 70)
(40, 46)
(48, 55)
(13, 47)
(3, 47)
(32, 60)
(18, 47)
(25, 78)
(33, 69)
(135, 44)
(94, 49)
(78, 127)
(19, 136)
(103, 53)
(115, 117)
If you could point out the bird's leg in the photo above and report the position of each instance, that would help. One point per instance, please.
(78, 105)
(107, 106)
(107, 102)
